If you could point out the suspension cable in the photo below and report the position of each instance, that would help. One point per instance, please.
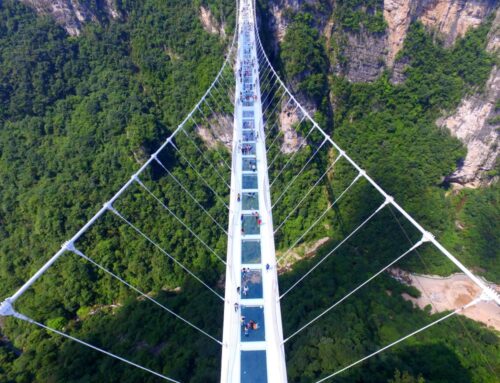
(117, 213)
(279, 153)
(457, 311)
(191, 195)
(276, 106)
(290, 159)
(144, 295)
(200, 176)
(308, 192)
(177, 218)
(50, 329)
(335, 248)
(415, 246)
(214, 149)
(125, 186)
(205, 158)
(320, 217)
(298, 174)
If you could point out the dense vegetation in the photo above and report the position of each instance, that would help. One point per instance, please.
(78, 116)
(389, 129)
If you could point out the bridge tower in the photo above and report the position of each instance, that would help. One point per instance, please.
(253, 348)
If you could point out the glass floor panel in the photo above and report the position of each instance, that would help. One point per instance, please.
(248, 124)
(250, 201)
(250, 251)
(250, 181)
(248, 135)
(252, 315)
(247, 149)
(249, 164)
(251, 284)
(250, 225)
(253, 367)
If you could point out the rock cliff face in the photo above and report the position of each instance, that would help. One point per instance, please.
(476, 123)
(219, 129)
(367, 54)
(71, 14)
(448, 18)
(292, 141)
(364, 54)
(210, 24)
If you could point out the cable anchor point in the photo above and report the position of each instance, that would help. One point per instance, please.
(488, 294)
(389, 200)
(109, 206)
(427, 236)
(7, 308)
(69, 246)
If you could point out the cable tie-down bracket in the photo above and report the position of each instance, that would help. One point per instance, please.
(488, 294)
(69, 246)
(6, 308)
(109, 206)
(389, 200)
(427, 236)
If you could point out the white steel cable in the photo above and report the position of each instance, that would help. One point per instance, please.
(275, 107)
(298, 174)
(330, 205)
(457, 311)
(178, 219)
(308, 192)
(335, 248)
(101, 211)
(218, 107)
(493, 295)
(50, 329)
(219, 93)
(216, 151)
(269, 92)
(144, 295)
(279, 152)
(290, 159)
(269, 131)
(205, 158)
(415, 246)
(276, 122)
(117, 213)
(190, 195)
(265, 110)
(278, 135)
(200, 176)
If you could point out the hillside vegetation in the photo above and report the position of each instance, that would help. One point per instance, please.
(79, 115)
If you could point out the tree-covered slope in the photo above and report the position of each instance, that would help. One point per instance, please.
(79, 114)
(78, 117)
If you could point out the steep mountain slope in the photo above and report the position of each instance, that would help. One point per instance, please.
(363, 39)
(77, 115)
(74, 14)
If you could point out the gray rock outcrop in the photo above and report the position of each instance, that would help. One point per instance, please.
(71, 14)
